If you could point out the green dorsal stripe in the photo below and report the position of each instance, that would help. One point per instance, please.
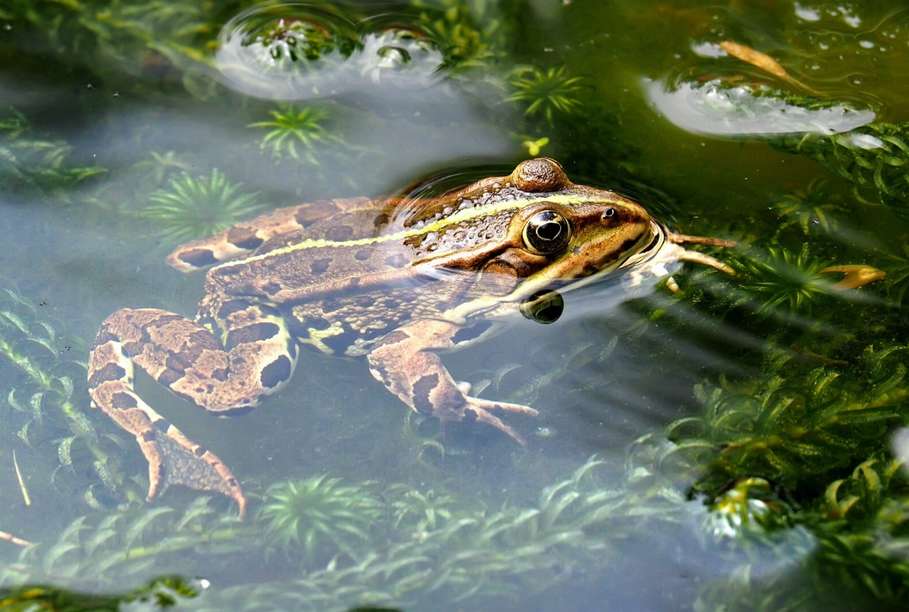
(455, 218)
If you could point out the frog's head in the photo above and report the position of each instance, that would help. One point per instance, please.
(552, 234)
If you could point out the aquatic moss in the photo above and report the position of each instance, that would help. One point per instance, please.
(193, 207)
(30, 162)
(44, 390)
(295, 133)
(873, 158)
(545, 92)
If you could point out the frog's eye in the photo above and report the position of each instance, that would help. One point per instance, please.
(547, 232)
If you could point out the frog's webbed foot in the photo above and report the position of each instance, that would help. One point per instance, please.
(258, 357)
(172, 457)
(855, 275)
(405, 363)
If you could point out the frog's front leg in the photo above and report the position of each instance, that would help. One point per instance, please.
(405, 362)
(257, 356)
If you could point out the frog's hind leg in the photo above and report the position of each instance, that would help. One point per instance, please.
(190, 361)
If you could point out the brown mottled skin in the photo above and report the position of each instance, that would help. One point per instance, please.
(395, 281)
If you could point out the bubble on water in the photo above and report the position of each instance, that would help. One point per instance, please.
(297, 52)
(400, 54)
(866, 44)
(806, 13)
(707, 49)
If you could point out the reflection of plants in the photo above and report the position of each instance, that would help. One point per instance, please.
(136, 36)
(191, 207)
(294, 132)
(315, 513)
(545, 92)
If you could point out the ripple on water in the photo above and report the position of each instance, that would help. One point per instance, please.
(717, 109)
(297, 52)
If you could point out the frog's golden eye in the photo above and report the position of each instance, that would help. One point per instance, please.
(547, 232)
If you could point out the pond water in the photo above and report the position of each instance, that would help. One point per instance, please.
(733, 444)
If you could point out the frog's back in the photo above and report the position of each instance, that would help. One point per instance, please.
(335, 220)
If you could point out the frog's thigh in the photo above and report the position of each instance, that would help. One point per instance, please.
(404, 363)
(257, 358)
(191, 362)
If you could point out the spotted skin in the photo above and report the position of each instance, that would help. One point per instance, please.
(405, 361)
(396, 281)
(253, 358)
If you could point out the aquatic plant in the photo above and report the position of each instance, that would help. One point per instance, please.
(796, 422)
(295, 132)
(160, 593)
(42, 401)
(545, 92)
(898, 274)
(469, 33)
(873, 158)
(815, 206)
(31, 162)
(110, 548)
(782, 277)
(141, 39)
(305, 517)
(191, 207)
(159, 167)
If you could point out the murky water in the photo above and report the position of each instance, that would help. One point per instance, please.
(735, 444)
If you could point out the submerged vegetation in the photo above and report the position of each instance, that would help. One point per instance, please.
(783, 468)
(193, 207)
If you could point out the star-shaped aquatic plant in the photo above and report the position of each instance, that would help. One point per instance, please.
(319, 514)
(812, 207)
(547, 92)
(192, 207)
(295, 132)
(781, 281)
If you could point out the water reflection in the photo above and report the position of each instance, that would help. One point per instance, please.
(300, 52)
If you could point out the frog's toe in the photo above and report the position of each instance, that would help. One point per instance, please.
(482, 411)
(173, 459)
(493, 406)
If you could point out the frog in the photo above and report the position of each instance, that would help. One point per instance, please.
(397, 281)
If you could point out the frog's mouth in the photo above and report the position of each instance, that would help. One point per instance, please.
(647, 249)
